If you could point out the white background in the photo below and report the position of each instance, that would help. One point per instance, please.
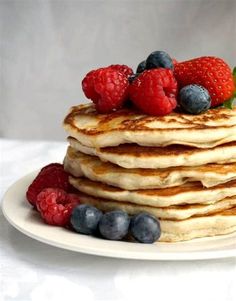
(46, 47)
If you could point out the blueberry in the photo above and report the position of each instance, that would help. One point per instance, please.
(85, 219)
(145, 228)
(194, 99)
(141, 67)
(114, 225)
(159, 59)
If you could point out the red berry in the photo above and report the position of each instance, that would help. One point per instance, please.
(88, 86)
(107, 88)
(53, 176)
(72, 198)
(55, 206)
(123, 69)
(154, 91)
(175, 62)
(210, 72)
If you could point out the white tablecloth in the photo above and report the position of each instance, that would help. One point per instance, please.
(30, 270)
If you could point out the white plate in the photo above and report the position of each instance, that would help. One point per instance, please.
(20, 214)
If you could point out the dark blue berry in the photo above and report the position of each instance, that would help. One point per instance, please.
(145, 228)
(194, 99)
(159, 59)
(141, 67)
(85, 219)
(114, 225)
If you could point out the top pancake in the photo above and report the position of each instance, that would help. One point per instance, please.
(214, 127)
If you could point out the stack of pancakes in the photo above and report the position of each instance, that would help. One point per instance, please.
(180, 168)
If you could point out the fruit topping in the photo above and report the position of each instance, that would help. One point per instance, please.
(154, 91)
(145, 228)
(112, 87)
(126, 70)
(175, 62)
(194, 99)
(107, 88)
(210, 72)
(50, 176)
(55, 206)
(159, 59)
(114, 225)
(141, 67)
(85, 219)
(88, 85)
(133, 77)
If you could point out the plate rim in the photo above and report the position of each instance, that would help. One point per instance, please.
(127, 254)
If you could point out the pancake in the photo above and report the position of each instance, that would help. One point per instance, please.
(214, 127)
(134, 156)
(191, 193)
(217, 223)
(176, 213)
(220, 223)
(79, 164)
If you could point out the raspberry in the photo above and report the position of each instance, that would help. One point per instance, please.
(88, 86)
(53, 176)
(107, 88)
(174, 61)
(210, 72)
(73, 198)
(154, 91)
(122, 69)
(55, 206)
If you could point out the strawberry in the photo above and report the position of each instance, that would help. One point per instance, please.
(210, 72)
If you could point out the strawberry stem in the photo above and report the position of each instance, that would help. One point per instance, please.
(234, 75)
(234, 71)
(230, 103)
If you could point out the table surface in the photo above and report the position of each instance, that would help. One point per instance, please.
(30, 270)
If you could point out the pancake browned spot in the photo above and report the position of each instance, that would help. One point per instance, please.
(79, 164)
(135, 156)
(214, 127)
(192, 193)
